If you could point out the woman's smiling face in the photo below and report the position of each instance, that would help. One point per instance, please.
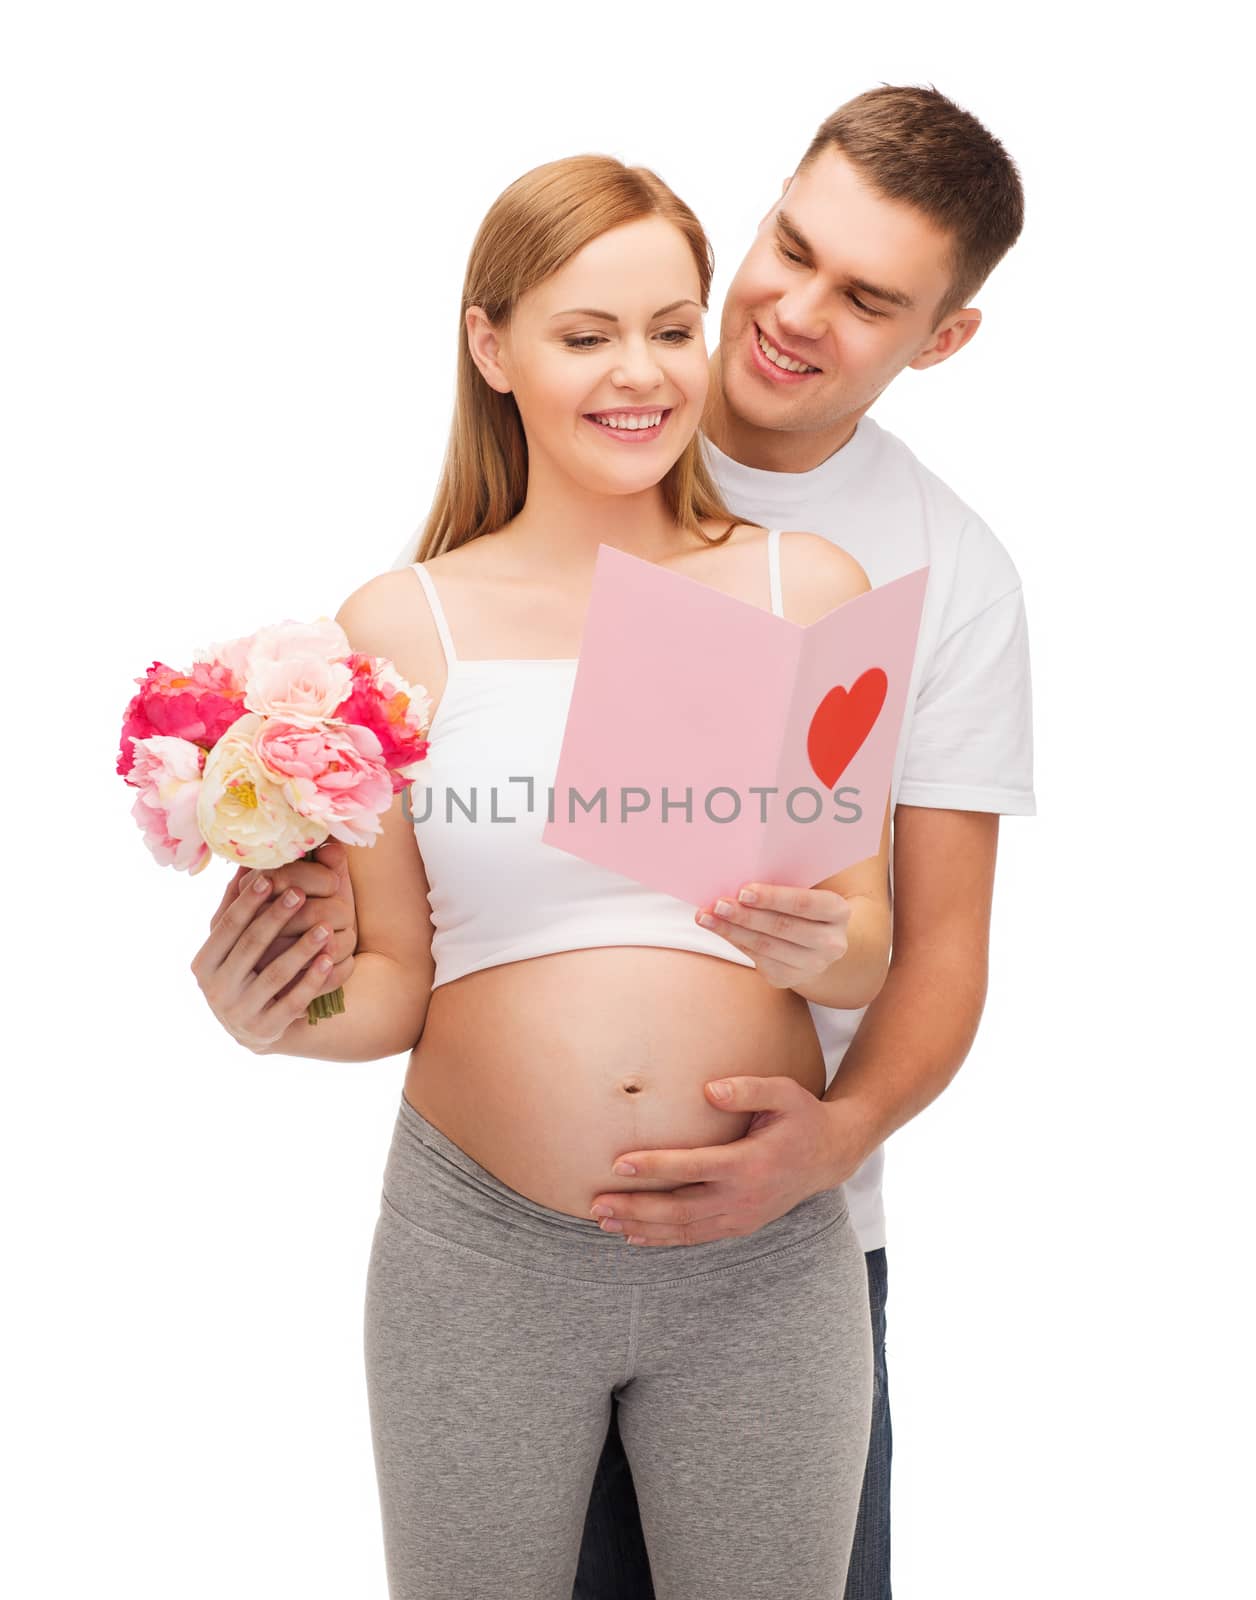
(615, 334)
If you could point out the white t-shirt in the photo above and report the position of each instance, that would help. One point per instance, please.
(967, 738)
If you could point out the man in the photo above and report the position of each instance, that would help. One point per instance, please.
(899, 210)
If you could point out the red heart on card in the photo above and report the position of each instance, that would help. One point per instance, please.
(841, 723)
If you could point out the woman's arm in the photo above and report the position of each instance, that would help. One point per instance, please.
(384, 1014)
(387, 993)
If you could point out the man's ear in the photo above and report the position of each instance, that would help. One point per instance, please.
(953, 335)
(486, 347)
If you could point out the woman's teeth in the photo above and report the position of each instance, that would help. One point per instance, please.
(650, 420)
(779, 360)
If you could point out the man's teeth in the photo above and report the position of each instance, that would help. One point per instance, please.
(775, 355)
(650, 420)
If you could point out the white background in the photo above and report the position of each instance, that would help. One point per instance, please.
(236, 237)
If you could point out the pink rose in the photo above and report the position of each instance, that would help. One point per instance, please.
(167, 772)
(296, 688)
(331, 773)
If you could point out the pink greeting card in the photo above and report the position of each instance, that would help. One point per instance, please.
(709, 742)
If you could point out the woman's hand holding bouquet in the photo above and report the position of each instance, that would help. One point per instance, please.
(276, 751)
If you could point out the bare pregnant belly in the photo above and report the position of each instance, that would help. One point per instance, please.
(545, 1071)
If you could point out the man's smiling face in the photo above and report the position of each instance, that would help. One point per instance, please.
(835, 297)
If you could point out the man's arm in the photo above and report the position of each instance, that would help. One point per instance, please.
(915, 1035)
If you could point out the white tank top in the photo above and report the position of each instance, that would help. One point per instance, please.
(498, 893)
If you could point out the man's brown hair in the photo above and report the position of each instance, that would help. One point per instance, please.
(913, 144)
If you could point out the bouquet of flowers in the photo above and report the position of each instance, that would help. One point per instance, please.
(270, 744)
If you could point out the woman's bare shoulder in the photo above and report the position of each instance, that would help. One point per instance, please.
(380, 611)
(389, 616)
(817, 575)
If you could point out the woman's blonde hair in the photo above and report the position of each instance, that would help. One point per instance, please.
(532, 229)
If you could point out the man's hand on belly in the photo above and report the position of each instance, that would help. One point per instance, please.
(794, 1147)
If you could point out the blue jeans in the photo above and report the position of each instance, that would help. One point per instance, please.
(613, 1560)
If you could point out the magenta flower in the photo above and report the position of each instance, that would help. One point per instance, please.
(198, 706)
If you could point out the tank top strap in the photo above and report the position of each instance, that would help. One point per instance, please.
(774, 569)
(420, 571)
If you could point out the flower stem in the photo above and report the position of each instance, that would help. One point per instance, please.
(325, 1005)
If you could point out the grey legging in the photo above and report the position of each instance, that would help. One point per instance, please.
(496, 1331)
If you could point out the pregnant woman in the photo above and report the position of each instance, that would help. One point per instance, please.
(564, 1014)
